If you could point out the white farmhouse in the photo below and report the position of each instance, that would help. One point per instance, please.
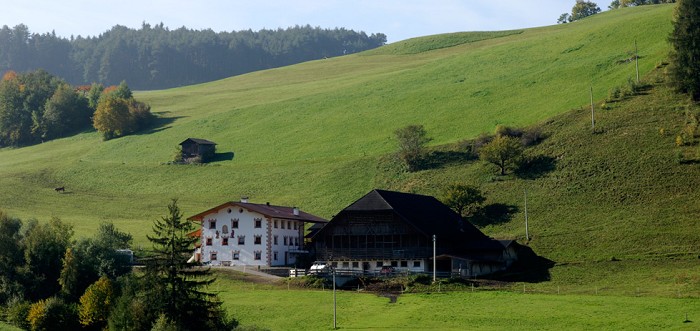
(243, 233)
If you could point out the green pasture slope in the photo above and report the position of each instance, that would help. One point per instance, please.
(276, 308)
(317, 135)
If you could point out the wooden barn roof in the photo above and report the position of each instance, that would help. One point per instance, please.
(198, 141)
(425, 213)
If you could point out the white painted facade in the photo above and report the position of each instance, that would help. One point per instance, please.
(237, 234)
(375, 266)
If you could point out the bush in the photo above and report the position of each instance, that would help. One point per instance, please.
(164, 324)
(502, 130)
(16, 313)
(52, 314)
(532, 136)
(480, 141)
(614, 94)
(310, 281)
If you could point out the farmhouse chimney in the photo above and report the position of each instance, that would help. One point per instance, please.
(295, 211)
(244, 199)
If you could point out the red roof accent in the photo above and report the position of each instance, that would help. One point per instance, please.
(264, 209)
(197, 233)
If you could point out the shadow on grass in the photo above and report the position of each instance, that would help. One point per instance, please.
(495, 213)
(529, 268)
(536, 167)
(219, 157)
(440, 159)
(158, 124)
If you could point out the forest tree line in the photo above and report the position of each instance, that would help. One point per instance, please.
(155, 57)
(36, 106)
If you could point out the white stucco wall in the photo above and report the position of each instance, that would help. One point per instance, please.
(228, 216)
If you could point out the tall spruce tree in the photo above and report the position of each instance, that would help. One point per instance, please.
(685, 39)
(182, 284)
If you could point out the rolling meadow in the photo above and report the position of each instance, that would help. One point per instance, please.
(615, 209)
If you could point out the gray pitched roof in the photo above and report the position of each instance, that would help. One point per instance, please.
(198, 141)
(425, 213)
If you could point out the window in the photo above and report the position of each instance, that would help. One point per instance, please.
(295, 225)
(356, 264)
(224, 229)
(289, 225)
(274, 240)
(274, 254)
(296, 241)
(394, 264)
(212, 256)
(224, 241)
(416, 264)
(282, 224)
(208, 241)
(334, 264)
(404, 264)
(276, 224)
(346, 264)
(258, 223)
(285, 240)
(380, 264)
(229, 210)
(212, 224)
(234, 223)
(241, 240)
(236, 255)
(257, 240)
(258, 255)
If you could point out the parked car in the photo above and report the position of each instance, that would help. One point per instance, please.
(319, 267)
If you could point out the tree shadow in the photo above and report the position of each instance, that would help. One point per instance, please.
(536, 167)
(440, 159)
(158, 124)
(495, 213)
(219, 157)
(529, 268)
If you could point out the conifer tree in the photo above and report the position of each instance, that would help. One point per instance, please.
(182, 284)
(685, 40)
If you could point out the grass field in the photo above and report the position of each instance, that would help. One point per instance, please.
(276, 308)
(611, 207)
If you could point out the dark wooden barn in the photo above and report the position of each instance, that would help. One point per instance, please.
(194, 147)
(393, 231)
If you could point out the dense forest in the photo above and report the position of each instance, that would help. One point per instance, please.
(155, 57)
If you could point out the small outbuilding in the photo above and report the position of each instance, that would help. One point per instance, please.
(195, 147)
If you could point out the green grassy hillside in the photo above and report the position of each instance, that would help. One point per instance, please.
(318, 135)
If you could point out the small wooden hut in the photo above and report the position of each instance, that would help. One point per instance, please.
(195, 147)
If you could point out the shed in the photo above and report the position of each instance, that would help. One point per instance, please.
(195, 147)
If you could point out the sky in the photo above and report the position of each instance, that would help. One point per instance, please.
(397, 19)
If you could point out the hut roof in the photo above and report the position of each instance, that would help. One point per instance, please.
(198, 141)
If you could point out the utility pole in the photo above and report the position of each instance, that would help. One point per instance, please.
(434, 261)
(527, 233)
(334, 303)
(636, 59)
(592, 112)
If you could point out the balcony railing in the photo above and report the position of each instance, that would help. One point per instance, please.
(373, 253)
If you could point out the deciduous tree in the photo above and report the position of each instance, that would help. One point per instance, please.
(96, 303)
(411, 142)
(583, 9)
(112, 117)
(463, 199)
(503, 151)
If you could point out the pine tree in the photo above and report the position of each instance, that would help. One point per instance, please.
(182, 283)
(685, 40)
